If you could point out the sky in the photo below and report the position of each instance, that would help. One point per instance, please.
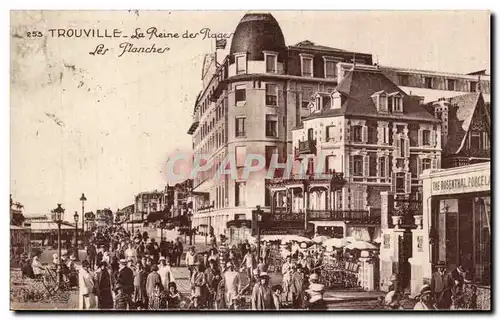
(106, 125)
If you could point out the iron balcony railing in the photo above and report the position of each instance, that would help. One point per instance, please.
(360, 216)
(307, 147)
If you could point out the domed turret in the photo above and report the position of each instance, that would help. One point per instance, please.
(258, 32)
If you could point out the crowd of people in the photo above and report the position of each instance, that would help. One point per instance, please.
(131, 271)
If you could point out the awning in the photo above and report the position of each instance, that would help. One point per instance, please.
(48, 226)
(239, 223)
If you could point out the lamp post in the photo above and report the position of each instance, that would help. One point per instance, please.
(83, 199)
(76, 217)
(57, 218)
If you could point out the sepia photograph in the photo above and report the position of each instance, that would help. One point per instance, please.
(250, 161)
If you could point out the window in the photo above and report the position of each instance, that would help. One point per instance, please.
(330, 164)
(382, 103)
(372, 165)
(271, 63)
(426, 137)
(390, 108)
(400, 182)
(240, 127)
(398, 106)
(473, 86)
(307, 66)
(271, 126)
(271, 94)
(240, 94)
(403, 147)
(358, 199)
(404, 79)
(239, 194)
(428, 82)
(240, 155)
(486, 141)
(357, 133)
(414, 166)
(270, 151)
(330, 133)
(426, 164)
(465, 230)
(357, 162)
(381, 167)
(241, 64)
(450, 84)
(475, 140)
(307, 93)
(330, 68)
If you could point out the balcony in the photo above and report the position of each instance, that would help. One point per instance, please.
(306, 147)
(348, 216)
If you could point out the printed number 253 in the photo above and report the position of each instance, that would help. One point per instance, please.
(34, 34)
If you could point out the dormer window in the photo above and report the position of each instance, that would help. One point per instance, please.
(380, 100)
(395, 102)
(306, 62)
(330, 67)
(271, 59)
(241, 63)
(337, 100)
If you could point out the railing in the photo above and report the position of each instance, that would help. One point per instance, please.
(307, 147)
(285, 214)
(361, 216)
(337, 178)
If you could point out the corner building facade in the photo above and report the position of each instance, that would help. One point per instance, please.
(248, 105)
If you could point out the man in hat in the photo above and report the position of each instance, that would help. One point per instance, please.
(262, 297)
(165, 272)
(86, 290)
(232, 282)
(212, 276)
(315, 293)
(442, 286)
(458, 276)
(425, 301)
(125, 279)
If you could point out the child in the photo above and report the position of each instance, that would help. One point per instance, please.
(159, 299)
(174, 297)
(277, 292)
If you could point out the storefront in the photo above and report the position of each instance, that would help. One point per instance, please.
(456, 225)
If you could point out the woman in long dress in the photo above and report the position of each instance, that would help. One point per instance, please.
(87, 299)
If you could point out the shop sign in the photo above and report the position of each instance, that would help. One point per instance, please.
(461, 183)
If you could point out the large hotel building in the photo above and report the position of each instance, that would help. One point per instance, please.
(374, 128)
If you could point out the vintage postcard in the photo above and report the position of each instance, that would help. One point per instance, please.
(232, 160)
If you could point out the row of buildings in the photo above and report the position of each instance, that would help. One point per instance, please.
(169, 204)
(368, 129)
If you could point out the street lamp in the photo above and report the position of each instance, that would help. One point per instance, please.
(57, 217)
(76, 217)
(83, 199)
